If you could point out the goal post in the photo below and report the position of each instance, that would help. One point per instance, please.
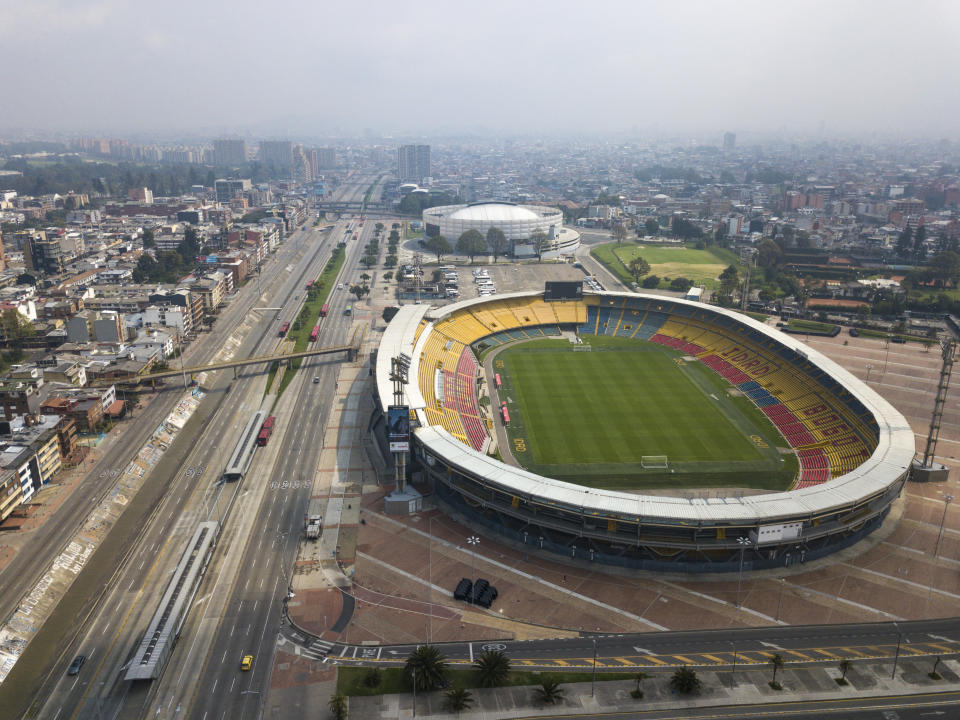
(652, 462)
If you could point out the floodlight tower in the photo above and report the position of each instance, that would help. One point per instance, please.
(927, 470)
(399, 375)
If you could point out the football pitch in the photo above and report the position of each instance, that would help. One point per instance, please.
(590, 417)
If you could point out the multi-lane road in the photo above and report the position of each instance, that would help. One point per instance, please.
(237, 606)
(728, 648)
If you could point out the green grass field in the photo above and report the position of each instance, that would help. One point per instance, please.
(590, 417)
(701, 266)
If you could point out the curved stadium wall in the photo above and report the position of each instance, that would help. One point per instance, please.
(852, 467)
(517, 222)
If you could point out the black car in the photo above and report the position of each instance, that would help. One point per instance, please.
(76, 664)
(463, 590)
(854, 332)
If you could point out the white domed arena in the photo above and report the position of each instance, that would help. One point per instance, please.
(517, 222)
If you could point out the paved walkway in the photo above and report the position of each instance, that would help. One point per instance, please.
(748, 687)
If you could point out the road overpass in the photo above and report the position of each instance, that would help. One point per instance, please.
(351, 351)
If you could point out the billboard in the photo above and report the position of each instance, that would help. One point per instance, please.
(398, 428)
(563, 290)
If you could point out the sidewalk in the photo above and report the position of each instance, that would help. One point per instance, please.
(870, 679)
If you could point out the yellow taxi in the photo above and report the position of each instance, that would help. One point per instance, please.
(247, 662)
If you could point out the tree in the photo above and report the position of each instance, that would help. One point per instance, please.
(365, 277)
(918, 239)
(427, 667)
(369, 260)
(148, 240)
(145, 269)
(641, 676)
(638, 267)
(26, 279)
(844, 667)
(497, 242)
(650, 281)
(338, 706)
(458, 699)
(685, 681)
(768, 253)
(681, 284)
(372, 677)
(16, 326)
(493, 667)
(651, 226)
(777, 662)
(945, 268)
(905, 242)
(619, 232)
(540, 242)
(471, 243)
(439, 246)
(549, 692)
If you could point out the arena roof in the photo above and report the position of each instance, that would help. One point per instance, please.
(891, 458)
(493, 212)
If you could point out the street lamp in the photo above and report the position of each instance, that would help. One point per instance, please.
(869, 368)
(742, 542)
(947, 499)
(430, 584)
(593, 681)
(473, 541)
(896, 655)
(780, 599)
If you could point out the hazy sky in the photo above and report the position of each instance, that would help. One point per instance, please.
(310, 68)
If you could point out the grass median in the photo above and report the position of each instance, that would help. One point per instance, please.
(309, 315)
(351, 681)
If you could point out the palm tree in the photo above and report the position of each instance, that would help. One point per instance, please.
(549, 692)
(685, 681)
(338, 706)
(493, 667)
(844, 667)
(641, 676)
(458, 699)
(426, 666)
(777, 662)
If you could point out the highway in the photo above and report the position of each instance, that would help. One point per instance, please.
(251, 621)
(111, 634)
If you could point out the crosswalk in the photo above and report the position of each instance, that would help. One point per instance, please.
(317, 650)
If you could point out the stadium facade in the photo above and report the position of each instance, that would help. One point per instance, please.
(854, 448)
(517, 222)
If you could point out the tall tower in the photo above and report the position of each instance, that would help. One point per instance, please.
(413, 163)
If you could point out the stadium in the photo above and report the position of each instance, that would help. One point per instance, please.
(733, 445)
(518, 223)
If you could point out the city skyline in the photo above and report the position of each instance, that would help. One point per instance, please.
(645, 69)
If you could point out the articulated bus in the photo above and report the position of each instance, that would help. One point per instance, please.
(243, 453)
(284, 328)
(324, 310)
(315, 333)
(265, 431)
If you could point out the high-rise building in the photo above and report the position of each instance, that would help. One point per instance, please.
(229, 152)
(729, 140)
(326, 158)
(278, 153)
(226, 190)
(413, 163)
